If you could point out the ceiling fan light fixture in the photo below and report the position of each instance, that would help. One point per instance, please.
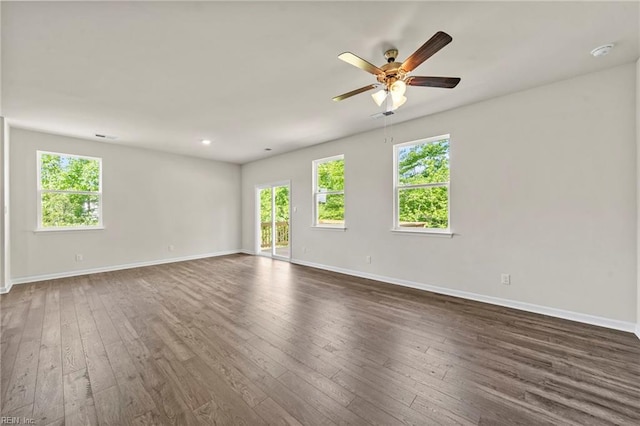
(379, 96)
(396, 96)
(398, 102)
(398, 88)
(394, 76)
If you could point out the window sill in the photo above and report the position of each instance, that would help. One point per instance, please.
(430, 233)
(45, 230)
(329, 227)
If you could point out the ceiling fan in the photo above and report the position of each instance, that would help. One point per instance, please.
(393, 77)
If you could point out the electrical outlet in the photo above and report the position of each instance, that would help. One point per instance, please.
(79, 258)
(171, 247)
(367, 259)
(505, 279)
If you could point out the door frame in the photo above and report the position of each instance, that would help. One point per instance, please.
(258, 224)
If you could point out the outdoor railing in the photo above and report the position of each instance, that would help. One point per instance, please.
(282, 234)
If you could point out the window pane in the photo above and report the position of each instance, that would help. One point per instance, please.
(330, 209)
(66, 173)
(59, 210)
(424, 163)
(331, 176)
(282, 220)
(282, 203)
(424, 207)
(265, 220)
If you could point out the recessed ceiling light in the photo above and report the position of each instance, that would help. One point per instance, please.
(267, 149)
(206, 142)
(602, 50)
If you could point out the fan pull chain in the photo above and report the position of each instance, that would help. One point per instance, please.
(388, 138)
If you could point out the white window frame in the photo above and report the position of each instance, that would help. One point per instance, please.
(41, 191)
(272, 186)
(396, 190)
(317, 192)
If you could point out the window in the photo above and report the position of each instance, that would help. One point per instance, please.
(69, 191)
(328, 192)
(421, 185)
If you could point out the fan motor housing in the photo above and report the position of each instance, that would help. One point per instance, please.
(391, 70)
(391, 55)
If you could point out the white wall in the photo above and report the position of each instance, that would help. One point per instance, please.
(1, 59)
(543, 186)
(150, 200)
(2, 236)
(638, 195)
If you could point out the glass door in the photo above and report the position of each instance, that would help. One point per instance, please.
(266, 221)
(273, 220)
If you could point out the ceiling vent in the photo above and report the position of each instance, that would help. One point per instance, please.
(106, 137)
(382, 114)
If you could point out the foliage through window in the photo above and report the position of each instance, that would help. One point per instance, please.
(422, 184)
(281, 201)
(328, 191)
(279, 209)
(69, 191)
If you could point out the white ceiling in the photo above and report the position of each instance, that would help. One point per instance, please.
(257, 75)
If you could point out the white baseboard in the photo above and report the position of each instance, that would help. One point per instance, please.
(244, 251)
(544, 310)
(559, 313)
(36, 278)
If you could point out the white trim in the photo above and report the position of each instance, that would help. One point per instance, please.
(523, 306)
(425, 140)
(36, 278)
(316, 190)
(330, 227)
(5, 209)
(258, 223)
(423, 185)
(41, 191)
(64, 154)
(55, 191)
(427, 231)
(272, 184)
(61, 229)
(397, 188)
(328, 159)
(638, 329)
(5, 290)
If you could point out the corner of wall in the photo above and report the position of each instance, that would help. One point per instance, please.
(6, 288)
(241, 229)
(638, 198)
(5, 276)
(5, 207)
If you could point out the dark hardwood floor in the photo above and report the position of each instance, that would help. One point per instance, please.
(247, 340)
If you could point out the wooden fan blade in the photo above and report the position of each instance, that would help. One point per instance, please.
(427, 50)
(443, 82)
(357, 61)
(354, 92)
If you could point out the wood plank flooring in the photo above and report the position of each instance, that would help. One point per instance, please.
(242, 340)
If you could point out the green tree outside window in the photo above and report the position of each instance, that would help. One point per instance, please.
(423, 185)
(329, 191)
(70, 192)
